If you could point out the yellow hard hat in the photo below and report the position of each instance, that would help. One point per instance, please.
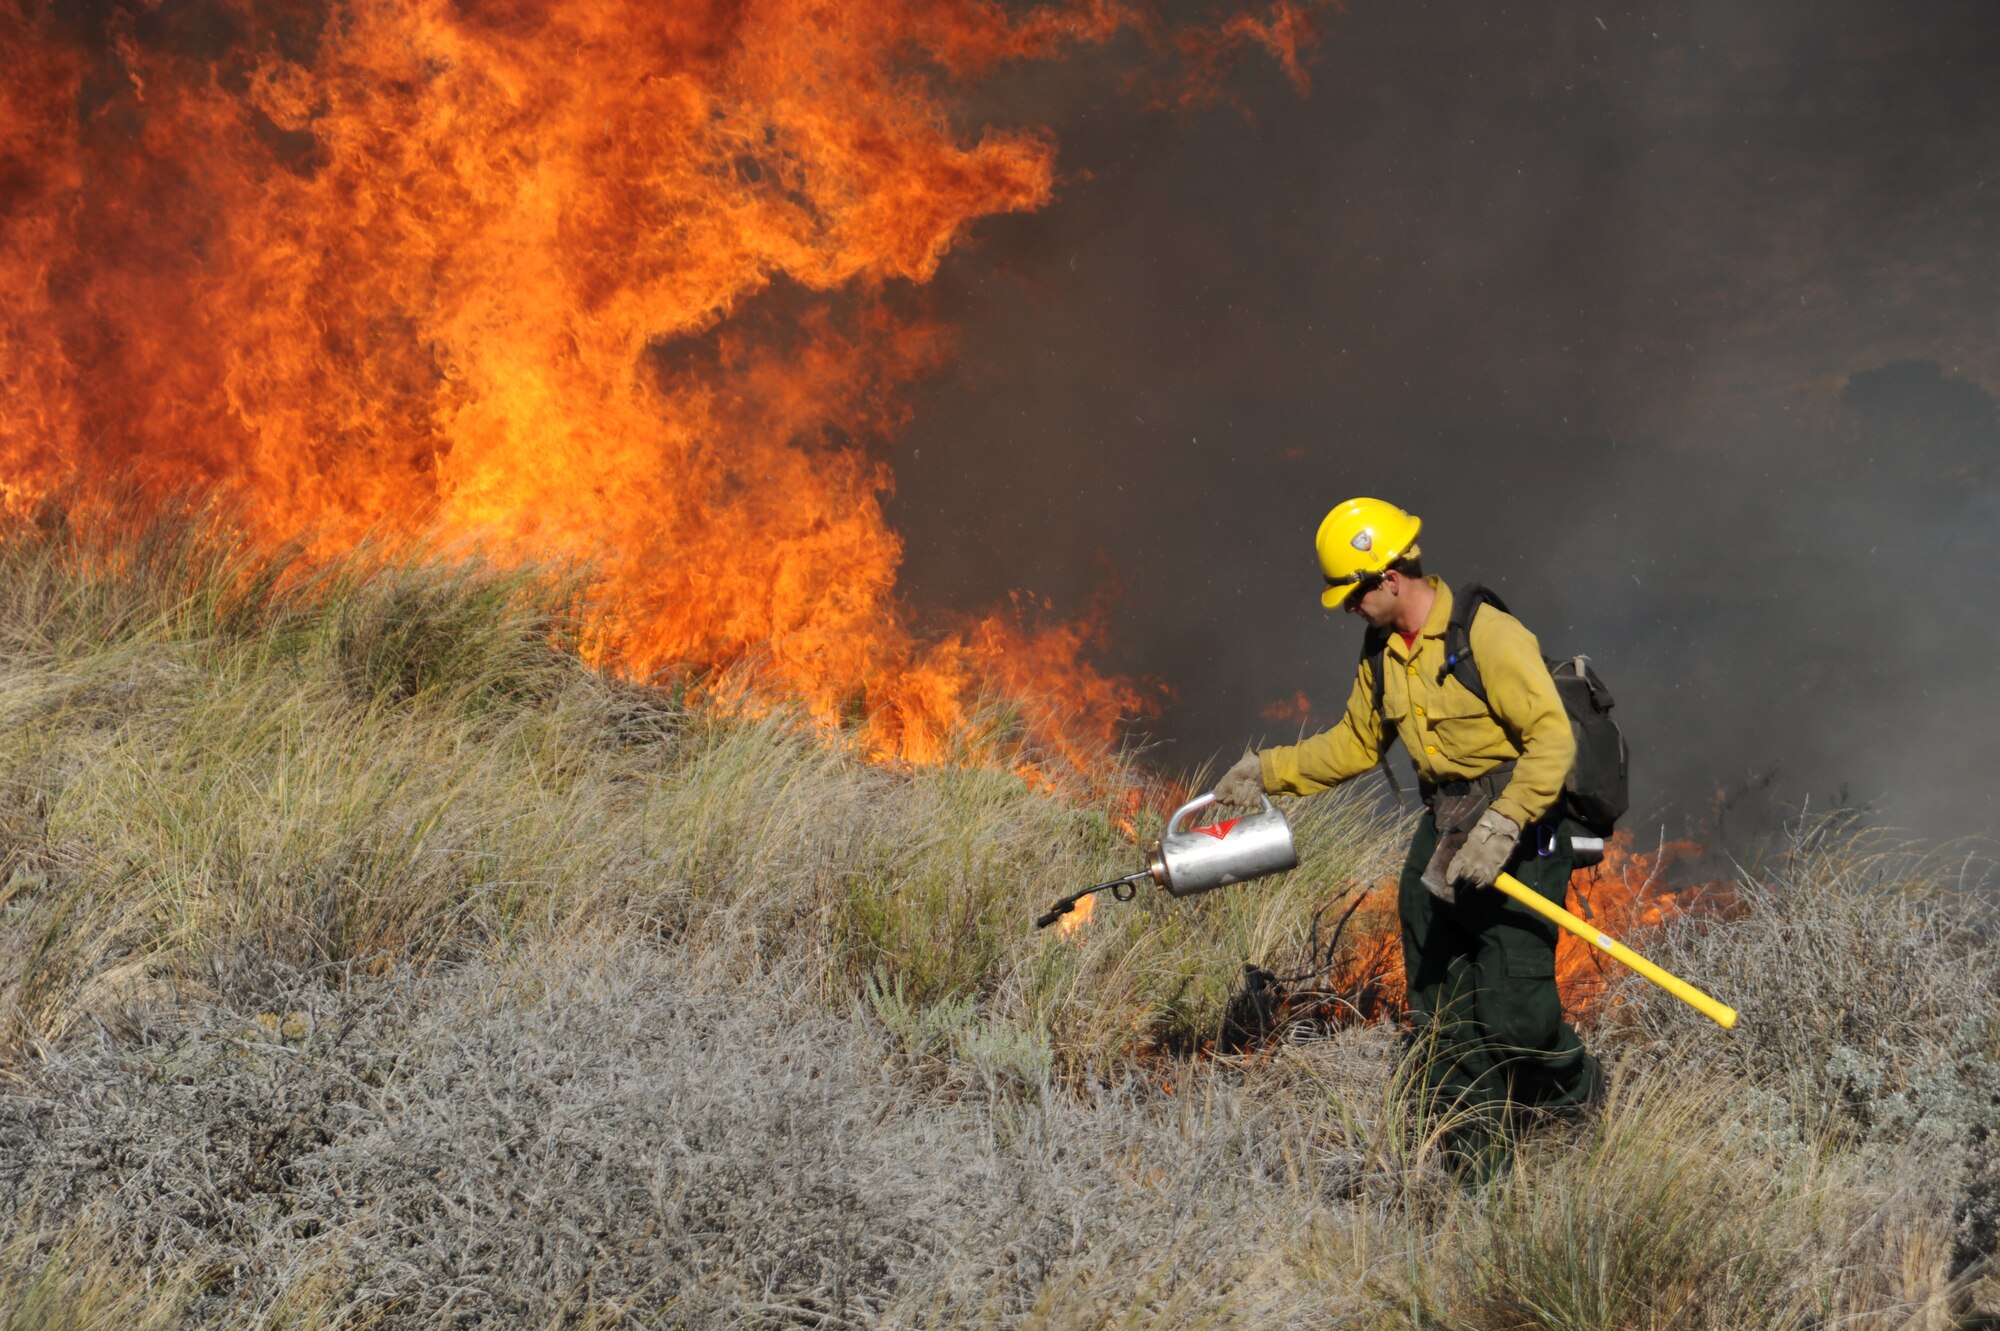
(1359, 538)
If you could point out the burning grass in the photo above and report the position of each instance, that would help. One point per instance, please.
(611, 280)
(369, 961)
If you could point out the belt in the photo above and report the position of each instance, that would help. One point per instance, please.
(1488, 783)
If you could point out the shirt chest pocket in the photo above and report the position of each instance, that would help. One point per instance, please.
(1463, 724)
(1402, 694)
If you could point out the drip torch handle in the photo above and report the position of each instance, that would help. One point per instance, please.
(1196, 805)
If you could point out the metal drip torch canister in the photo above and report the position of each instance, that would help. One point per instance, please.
(1186, 861)
(1235, 850)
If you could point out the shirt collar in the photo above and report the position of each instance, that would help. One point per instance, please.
(1440, 615)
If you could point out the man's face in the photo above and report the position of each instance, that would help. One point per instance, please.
(1376, 599)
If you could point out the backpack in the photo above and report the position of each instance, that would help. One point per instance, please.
(1594, 794)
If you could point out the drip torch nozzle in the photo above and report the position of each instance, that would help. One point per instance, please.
(1121, 889)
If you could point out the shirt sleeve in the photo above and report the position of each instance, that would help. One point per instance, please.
(1523, 697)
(1346, 750)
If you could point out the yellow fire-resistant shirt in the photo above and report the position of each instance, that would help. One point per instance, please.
(1450, 734)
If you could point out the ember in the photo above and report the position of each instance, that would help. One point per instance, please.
(1296, 708)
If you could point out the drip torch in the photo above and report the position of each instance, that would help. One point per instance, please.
(1186, 861)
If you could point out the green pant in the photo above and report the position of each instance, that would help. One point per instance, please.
(1482, 991)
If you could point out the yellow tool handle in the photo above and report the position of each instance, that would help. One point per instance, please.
(1720, 1013)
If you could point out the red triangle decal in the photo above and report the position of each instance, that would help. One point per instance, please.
(1218, 830)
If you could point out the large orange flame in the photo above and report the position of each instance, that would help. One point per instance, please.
(599, 279)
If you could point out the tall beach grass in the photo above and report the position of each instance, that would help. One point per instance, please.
(366, 959)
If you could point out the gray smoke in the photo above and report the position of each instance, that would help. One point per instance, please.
(1679, 329)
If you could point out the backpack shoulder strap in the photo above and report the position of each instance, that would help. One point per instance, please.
(1374, 647)
(1374, 655)
(1458, 659)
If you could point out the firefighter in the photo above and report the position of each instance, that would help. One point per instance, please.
(1480, 969)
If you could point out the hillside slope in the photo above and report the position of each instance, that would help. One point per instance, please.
(368, 961)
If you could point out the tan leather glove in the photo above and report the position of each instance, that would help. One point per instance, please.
(1487, 850)
(1243, 783)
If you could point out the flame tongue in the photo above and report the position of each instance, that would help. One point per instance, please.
(607, 280)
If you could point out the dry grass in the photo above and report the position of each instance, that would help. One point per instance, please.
(366, 961)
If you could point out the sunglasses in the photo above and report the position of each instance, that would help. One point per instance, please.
(1362, 583)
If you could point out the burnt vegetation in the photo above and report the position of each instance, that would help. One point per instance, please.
(369, 961)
